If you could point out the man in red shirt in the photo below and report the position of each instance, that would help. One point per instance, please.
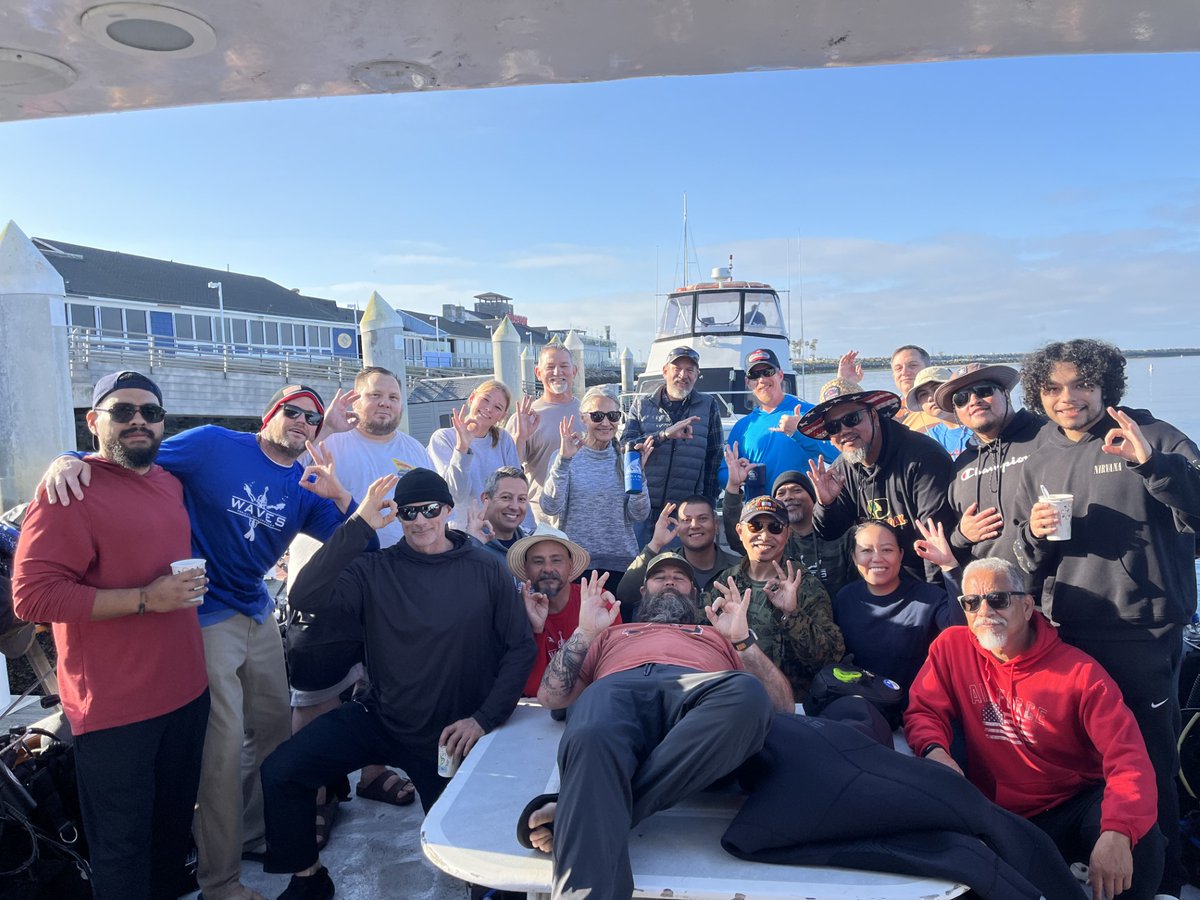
(1047, 733)
(130, 655)
(659, 709)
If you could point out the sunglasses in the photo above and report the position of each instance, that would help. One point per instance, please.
(983, 391)
(764, 372)
(849, 420)
(612, 416)
(428, 510)
(774, 526)
(995, 600)
(311, 416)
(123, 413)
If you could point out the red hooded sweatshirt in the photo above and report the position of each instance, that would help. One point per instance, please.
(1039, 728)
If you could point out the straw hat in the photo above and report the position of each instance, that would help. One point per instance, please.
(516, 553)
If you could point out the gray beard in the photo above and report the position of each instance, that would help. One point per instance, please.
(855, 457)
(668, 607)
(992, 640)
(549, 585)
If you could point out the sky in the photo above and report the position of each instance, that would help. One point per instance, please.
(982, 206)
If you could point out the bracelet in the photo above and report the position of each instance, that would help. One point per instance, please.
(929, 748)
(747, 642)
(141, 610)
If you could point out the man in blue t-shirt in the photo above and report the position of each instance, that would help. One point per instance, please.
(768, 435)
(247, 498)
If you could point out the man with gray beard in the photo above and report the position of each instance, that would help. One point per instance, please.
(885, 471)
(659, 709)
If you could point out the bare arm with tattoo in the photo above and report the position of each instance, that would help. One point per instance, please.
(728, 615)
(598, 609)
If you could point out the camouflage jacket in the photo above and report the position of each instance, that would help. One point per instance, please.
(799, 644)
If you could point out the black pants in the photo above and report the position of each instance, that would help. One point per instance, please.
(335, 744)
(1074, 826)
(637, 742)
(1147, 672)
(137, 791)
(822, 793)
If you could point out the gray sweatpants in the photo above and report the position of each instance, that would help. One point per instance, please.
(637, 742)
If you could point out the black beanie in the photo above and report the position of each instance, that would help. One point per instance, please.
(792, 476)
(422, 486)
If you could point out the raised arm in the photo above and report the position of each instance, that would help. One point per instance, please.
(564, 680)
(727, 613)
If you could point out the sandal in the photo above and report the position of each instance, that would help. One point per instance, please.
(531, 807)
(326, 816)
(401, 793)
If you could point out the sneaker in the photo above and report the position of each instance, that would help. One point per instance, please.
(318, 886)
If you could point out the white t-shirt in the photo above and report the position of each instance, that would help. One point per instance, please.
(543, 444)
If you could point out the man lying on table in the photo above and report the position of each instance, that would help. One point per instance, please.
(669, 707)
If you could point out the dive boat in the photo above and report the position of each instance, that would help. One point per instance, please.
(722, 320)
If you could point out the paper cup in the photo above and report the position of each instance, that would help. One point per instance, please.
(1063, 503)
(447, 763)
(190, 565)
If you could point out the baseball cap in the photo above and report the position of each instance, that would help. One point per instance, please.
(764, 506)
(683, 352)
(762, 356)
(118, 381)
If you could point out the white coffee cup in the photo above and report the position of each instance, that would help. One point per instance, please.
(1063, 503)
(190, 565)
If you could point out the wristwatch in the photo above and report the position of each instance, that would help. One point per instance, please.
(747, 642)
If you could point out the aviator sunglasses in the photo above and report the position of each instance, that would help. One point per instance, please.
(123, 413)
(612, 416)
(311, 416)
(428, 510)
(774, 526)
(983, 391)
(995, 600)
(849, 420)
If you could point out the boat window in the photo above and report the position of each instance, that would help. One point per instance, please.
(762, 313)
(677, 318)
(719, 312)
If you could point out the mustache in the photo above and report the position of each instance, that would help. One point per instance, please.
(993, 622)
(129, 432)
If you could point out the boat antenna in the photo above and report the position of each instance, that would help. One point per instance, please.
(800, 290)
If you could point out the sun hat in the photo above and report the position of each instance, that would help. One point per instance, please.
(516, 553)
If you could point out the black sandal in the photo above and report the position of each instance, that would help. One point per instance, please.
(531, 807)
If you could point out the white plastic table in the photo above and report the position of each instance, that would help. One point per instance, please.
(471, 834)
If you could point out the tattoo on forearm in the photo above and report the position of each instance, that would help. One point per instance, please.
(565, 665)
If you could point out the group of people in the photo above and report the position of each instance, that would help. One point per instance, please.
(904, 532)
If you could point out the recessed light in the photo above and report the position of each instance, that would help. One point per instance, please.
(147, 29)
(394, 75)
(22, 72)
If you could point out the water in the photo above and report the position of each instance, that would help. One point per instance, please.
(1169, 391)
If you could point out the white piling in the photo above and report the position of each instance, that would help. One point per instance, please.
(382, 331)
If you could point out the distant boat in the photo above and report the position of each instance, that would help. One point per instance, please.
(722, 320)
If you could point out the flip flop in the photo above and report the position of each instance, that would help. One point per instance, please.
(531, 807)
(401, 793)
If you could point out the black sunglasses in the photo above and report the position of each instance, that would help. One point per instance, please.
(774, 526)
(612, 416)
(311, 416)
(428, 510)
(764, 372)
(849, 420)
(995, 600)
(983, 390)
(123, 413)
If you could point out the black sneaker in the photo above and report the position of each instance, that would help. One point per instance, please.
(311, 887)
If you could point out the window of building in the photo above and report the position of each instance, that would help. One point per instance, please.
(135, 322)
(237, 331)
(271, 336)
(204, 329)
(82, 316)
(110, 321)
(183, 326)
(256, 333)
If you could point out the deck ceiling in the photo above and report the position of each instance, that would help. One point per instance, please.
(73, 57)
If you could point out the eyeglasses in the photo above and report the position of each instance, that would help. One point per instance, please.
(774, 526)
(311, 416)
(428, 510)
(983, 391)
(612, 416)
(849, 420)
(995, 600)
(123, 413)
(764, 372)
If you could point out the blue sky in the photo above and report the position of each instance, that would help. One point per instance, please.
(979, 206)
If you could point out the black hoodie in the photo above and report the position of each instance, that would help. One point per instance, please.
(1129, 565)
(908, 481)
(446, 635)
(990, 475)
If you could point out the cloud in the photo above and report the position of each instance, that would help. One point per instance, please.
(422, 259)
(564, 256)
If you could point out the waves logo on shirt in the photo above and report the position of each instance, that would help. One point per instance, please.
(257, 510)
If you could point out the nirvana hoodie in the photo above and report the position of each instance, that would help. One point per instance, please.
(990, 475)
(1039, 729)
(1129, 563)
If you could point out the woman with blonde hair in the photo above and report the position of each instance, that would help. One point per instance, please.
(476, 444)
(586, 486)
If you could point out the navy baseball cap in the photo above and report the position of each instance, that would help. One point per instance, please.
(118, 381)
(683, 352)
